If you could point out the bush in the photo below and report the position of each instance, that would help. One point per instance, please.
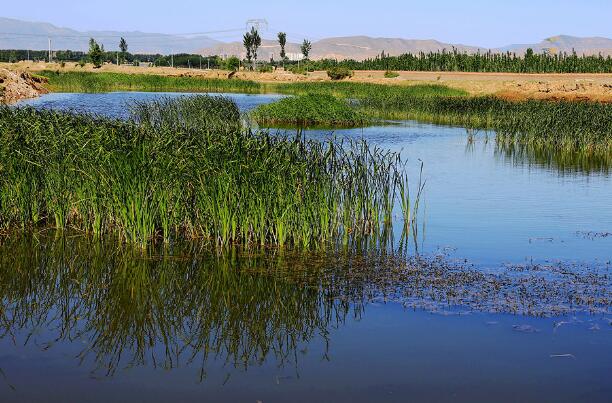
(391, 74)
(232, 64)
(339, 73)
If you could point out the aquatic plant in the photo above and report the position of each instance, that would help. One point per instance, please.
(563, 124)
(72, 81)
(186, 169)
(309, 110)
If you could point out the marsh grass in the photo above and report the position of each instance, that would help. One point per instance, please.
(107, 82)
(577, 126)
(187, 169)
(319, 110)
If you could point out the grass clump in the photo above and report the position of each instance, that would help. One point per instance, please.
(309, 110)
(73, 81)
(339, 73)
(391, 74)
(187, 169)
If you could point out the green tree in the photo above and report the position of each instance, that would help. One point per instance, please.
(232, 64)
(251, 42)
(282, 41)
(123, 46)
(247, 41)
(306, 48)
(96, 53)
(255, 44)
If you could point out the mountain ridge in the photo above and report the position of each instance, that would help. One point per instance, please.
(18, 34)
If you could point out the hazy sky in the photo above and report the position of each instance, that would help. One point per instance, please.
(488, 23)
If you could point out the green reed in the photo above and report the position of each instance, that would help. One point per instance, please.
(187, 168)
(321, 110)
(73, 81)
(585, 126)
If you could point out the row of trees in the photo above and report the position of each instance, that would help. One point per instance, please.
(252, 41)
(508, 62)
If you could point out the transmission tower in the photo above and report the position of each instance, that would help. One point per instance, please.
(257, 23)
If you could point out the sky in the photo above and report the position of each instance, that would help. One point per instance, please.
(487, 23)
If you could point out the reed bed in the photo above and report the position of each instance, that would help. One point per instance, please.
(73, 81)
(320, 110)
(584, 126)
(187, 169)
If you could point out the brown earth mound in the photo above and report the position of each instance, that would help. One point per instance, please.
(19, 85)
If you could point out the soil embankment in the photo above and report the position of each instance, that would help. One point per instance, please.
(16, 85)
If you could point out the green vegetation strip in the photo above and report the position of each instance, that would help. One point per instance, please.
(107, 82)
(186, 169)
(584, 126)
(309, 110)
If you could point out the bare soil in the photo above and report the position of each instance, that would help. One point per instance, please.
(15, 85)
(593, 87)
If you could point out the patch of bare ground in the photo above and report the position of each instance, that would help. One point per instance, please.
(15, 85)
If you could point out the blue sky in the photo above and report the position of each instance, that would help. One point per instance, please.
(489, 23)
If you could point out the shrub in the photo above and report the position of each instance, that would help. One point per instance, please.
(391, 74)
(339, 73)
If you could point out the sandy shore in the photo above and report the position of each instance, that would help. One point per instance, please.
(595, 87)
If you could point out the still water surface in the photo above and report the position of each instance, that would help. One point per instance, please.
(278, 338)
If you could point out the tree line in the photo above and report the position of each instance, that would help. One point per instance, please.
(454, 60)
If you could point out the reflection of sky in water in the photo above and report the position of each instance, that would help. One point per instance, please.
(485, 208)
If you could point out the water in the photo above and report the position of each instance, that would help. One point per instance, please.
(82, 321)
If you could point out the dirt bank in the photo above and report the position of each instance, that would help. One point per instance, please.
(594, 87)
(16, 85)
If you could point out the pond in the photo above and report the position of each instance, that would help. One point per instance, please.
(504, 294)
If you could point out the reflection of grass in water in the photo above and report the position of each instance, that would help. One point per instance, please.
(182, 304)
(196, 306)
(563, 160)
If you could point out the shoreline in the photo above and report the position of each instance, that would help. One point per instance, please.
(511, 86)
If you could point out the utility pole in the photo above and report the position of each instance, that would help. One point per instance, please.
(172, 60)
(200, 62)
(49, 49)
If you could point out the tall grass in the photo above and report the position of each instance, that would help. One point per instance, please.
(321, 110)
(585, 126)
(186, 168)
(74, 81)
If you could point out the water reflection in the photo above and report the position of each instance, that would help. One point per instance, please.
(163, 307)
(564, 161)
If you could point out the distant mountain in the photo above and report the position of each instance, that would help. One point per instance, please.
(16, 34)
(565, 43)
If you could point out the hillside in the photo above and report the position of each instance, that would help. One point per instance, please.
(16, 34)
